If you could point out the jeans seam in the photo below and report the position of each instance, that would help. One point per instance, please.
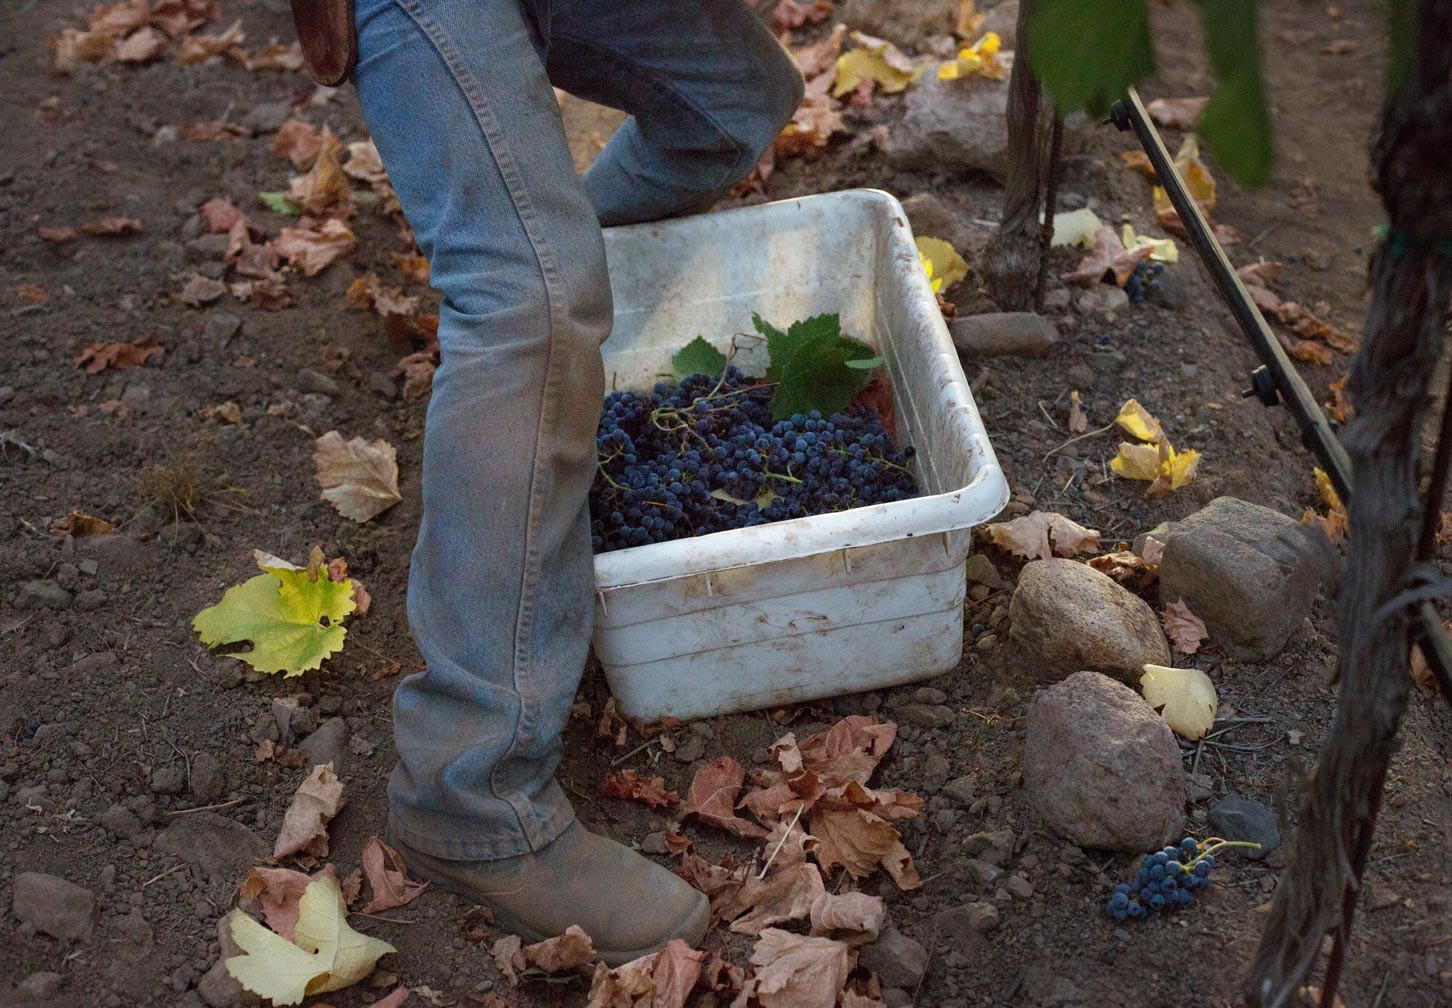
(534, 829)
(663, 83)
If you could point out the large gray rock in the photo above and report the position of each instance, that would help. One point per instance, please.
(52, 905)
(1101, 767)
(1067, 617)
(994, 334)
(1252, 574)
(1237, 818)
(931, 218)
(903, 22)
(952, 125)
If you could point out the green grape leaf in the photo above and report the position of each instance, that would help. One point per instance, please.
(1235, 124)
(814, 366)
(282, 612)
(699, 357)
(1086, 53)
(278, 202)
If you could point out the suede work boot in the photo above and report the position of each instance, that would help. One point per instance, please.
(628, 905)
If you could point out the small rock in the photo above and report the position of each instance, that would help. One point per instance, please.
(218, 847)
(898, 960)
(1252, 574)
(995, 847)
(42, 594)
(983, 873)
(310, 380)
(168, 779)
(220, 328)
(329, 744)
(1237, 818)
(896, 997)
(1019, 886)
(122, 821)
(654, 843)
(964, 927)
(1199, 786)
(980, 570)
(961, 123)
(1068, 617)
(207, 248)
(690, 748)
(39, 986)
(995, 334)
(959, 789)
(934, 773)
(1101, 767)
(1103, 299)
(929, 695)
(267, 117)
(209, 780)
(1169, 291)
(53, 906)
(931, 219)
(927, 715)
(295, 721)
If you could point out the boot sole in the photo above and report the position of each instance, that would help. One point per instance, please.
(690, 931)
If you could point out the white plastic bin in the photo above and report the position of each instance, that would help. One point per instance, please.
(817, 606)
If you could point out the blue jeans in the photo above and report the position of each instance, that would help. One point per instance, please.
(457, 95)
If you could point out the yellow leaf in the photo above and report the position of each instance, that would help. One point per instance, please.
(1137, 422)
(1076, 227)
(936, 283)
(877, 60)
(324, 955)
(1137, 461)
(1176, 470)
(1161, 249)
(1185, 698)
(281, 611)
(981, 59)
(1198, 180)
(942, 261)
(1327, 490)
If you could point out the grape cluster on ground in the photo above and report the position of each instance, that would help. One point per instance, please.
(1146, 276)
(704, 455)
(1167, 879)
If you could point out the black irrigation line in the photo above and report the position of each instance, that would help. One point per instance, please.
(1277, 382)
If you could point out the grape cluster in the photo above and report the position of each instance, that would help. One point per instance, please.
(1145, 276)
(1168, 879)
(704, 455)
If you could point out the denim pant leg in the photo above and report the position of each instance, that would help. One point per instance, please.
(500, 590)
(707, 86)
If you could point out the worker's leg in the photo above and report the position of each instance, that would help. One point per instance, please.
(500, 596)
(706, 84)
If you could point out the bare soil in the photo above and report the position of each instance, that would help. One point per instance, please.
(106, 688)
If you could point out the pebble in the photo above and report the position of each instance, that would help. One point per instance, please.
(42, 593)
(1103, 299)
(930, 218)
(983, 873)
(168, 780)
(690, 748)
(927, 715)
(53, 905)
(329, 744)
(311, 380)
(220, 328)
(1251, 573)
(964, 926)
(960, 790)
(1019, 886)
(1101, 768)
(981, 571)
(995, 846)
(218, 847)
(997, 334)
(267, 117)
(1067, 617)
(1237, 818)
(209, 780)
(930, 695)
(120, 820)
(898, 961)
(41, 985)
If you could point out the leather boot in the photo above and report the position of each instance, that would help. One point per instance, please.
(628, 905)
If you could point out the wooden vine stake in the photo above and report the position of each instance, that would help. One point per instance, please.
(1411, 279)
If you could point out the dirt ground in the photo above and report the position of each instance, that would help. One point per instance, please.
(108, 685)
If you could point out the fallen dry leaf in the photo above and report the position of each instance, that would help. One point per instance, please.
(852, 838)
(821, 57)
(305, 823)
(178, 17)
(508, 956)
(57, 235)
(221, 215)
(200, 48)
(1107, 261)
(417, 371)
(1185, 630)
(1185, 698)
(1040, 535)
(1335, 523)
(1078, 422)
(200, 290)
(854, 917)
(364, 163)
(211, 131)
(797, 971)
(387, 878)
(568, 951)
(227, 412)
(277, 892)
(97, 357)
(712, 797)
(631, 785)
(1133, 571)
(786, 894)
(112, 226)
(662, 980)
(275, 56)
(77, 523)
(32, 293)
(876, 60)
(311, 250)
(359, 478)
(324, 188)
(413, 265)
(813, 123)
(283, 756)
(368, 294)
(1177, 113)
(267, 293)
(299, 142)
